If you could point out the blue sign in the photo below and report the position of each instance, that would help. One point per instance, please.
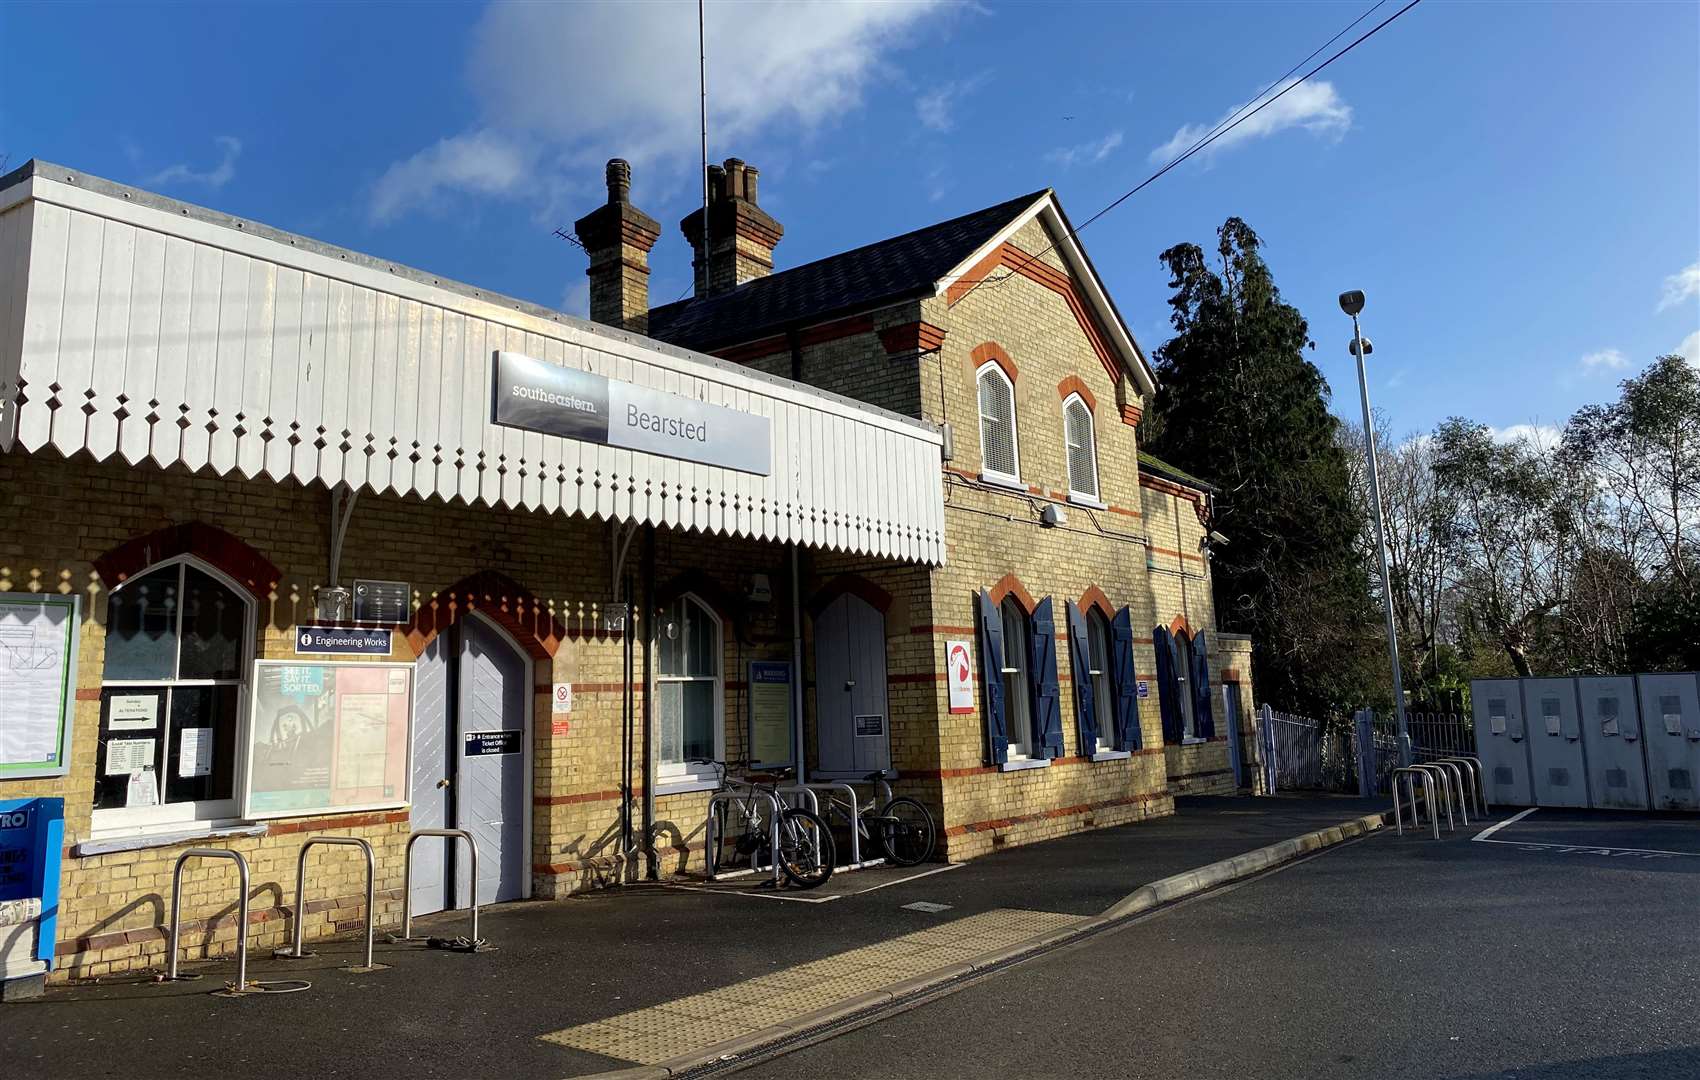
(32, 834)
(343, 640)
(1144, 689)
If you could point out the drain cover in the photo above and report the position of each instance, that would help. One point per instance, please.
(928, 907)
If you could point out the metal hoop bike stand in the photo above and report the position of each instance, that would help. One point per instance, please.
(1445, 787)
(1456, 774)
(243, 987)
(295, 952)
(407, 878)
(1472, 767)
(1411, 774)
(709, 840)
(855, 804)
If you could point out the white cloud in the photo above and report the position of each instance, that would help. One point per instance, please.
(1543, 436)
(214, 178)
(482, 162)
(936, 108)
(1690, 348)
(574, 84)
(1313, 106)
(1604, 360)
(1681, 285)
(575, 299)
(1086, 153)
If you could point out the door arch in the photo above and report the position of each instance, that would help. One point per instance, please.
(472, 764)
(852, 719)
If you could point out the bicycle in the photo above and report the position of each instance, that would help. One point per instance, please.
(806, 852)
(904, 827)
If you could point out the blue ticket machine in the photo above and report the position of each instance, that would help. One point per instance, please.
(32, 835)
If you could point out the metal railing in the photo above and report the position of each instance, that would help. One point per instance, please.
(407, 878)
(241, 910)
(295, 952)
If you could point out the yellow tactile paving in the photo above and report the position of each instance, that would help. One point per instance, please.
(655, 1034)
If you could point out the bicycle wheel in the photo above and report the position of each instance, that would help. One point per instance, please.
(906, 831)
(806, 850)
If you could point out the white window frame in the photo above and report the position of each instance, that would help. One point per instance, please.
(683, 775)
(173, 817)
(991, 367)
(1103, 687)
(1017, 706)
(1095, 496)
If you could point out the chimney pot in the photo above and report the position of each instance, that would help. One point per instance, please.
(619, 182)
(737, 245)
(618, 238)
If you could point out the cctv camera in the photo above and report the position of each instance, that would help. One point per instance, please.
(1218, 539)
(1352, 302)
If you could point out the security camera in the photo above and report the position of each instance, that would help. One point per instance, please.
(1218, 539)
(1352, 302)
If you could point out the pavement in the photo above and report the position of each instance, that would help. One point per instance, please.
(609, 979)
(1562, 945)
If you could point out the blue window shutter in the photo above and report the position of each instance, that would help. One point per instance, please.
(1168, 690)
(1203, 718)
(1080, 662)
(1047, 698)
(1125, 680)
(991, 679)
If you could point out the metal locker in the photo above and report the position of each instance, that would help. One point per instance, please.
(1501, 741)
(1558, 771)
(1611, 742)
(1670, 722)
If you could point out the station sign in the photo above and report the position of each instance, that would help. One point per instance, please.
(386, 603)
(342, 641)
(494, 743)
(539, 396)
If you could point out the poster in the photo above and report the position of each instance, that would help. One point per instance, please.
(959, 675)
(194, 752)
(38, 643)
(129, 756)
(327, 737)
(770, 713)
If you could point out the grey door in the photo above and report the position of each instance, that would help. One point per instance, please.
(1556, 765)
(1501, 741)
(1670, 723)
(1611, 739)
(1231, 720)
(490, 786)
(852, 728)
(433, 767)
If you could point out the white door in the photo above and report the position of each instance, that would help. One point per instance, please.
(433, 769)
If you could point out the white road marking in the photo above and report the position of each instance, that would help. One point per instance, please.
(1593, 849)
(927, 906)
(912, 877)
(1514, 819)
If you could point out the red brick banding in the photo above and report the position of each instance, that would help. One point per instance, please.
(1071, 384)
(498, 598)
(223, 551)
(991, 353)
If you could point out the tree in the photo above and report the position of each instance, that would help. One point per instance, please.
(1241, 406)
(1511, 528)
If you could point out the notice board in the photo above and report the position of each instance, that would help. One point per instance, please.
(327, 738)
(38, 653)
(771, 730)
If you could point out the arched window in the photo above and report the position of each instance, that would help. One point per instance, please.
(179, 638)
(1000, 459)
(689, 689)
(1017, 680)
(1103, 690)
(1082, 447)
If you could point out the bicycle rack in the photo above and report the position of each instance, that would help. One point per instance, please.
(856, 862)
(243, 986)
(1445, 786)
(709, 840)
(407, 879)
(295, 952)
(1411, 773)
(1456, 785)
(1472, 767)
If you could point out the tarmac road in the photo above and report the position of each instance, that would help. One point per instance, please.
(1564, 945)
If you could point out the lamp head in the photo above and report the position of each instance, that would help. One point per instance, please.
(1352, 346)
(1352, 302)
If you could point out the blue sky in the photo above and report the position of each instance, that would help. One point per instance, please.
(1516, 186)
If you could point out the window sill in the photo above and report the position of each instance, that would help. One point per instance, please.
(1086, 501)
(106, 845)
(1193, 740)
(1013, 483)
(1112, 755)
(1024, 763)
(685, 785)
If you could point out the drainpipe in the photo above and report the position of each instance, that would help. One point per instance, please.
(651, 870)
(797, 666)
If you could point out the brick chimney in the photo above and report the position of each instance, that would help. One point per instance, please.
(618, 238)
(741, 236)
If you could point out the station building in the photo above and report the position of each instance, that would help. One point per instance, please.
(833, 476)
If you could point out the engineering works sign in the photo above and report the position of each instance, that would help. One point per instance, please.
(573, 404)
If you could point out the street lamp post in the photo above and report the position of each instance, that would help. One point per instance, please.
(1352, 303)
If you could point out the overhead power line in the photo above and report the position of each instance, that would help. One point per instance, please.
(1239, 117)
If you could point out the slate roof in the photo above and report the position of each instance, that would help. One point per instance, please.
(1155, 465)
(861, 279)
